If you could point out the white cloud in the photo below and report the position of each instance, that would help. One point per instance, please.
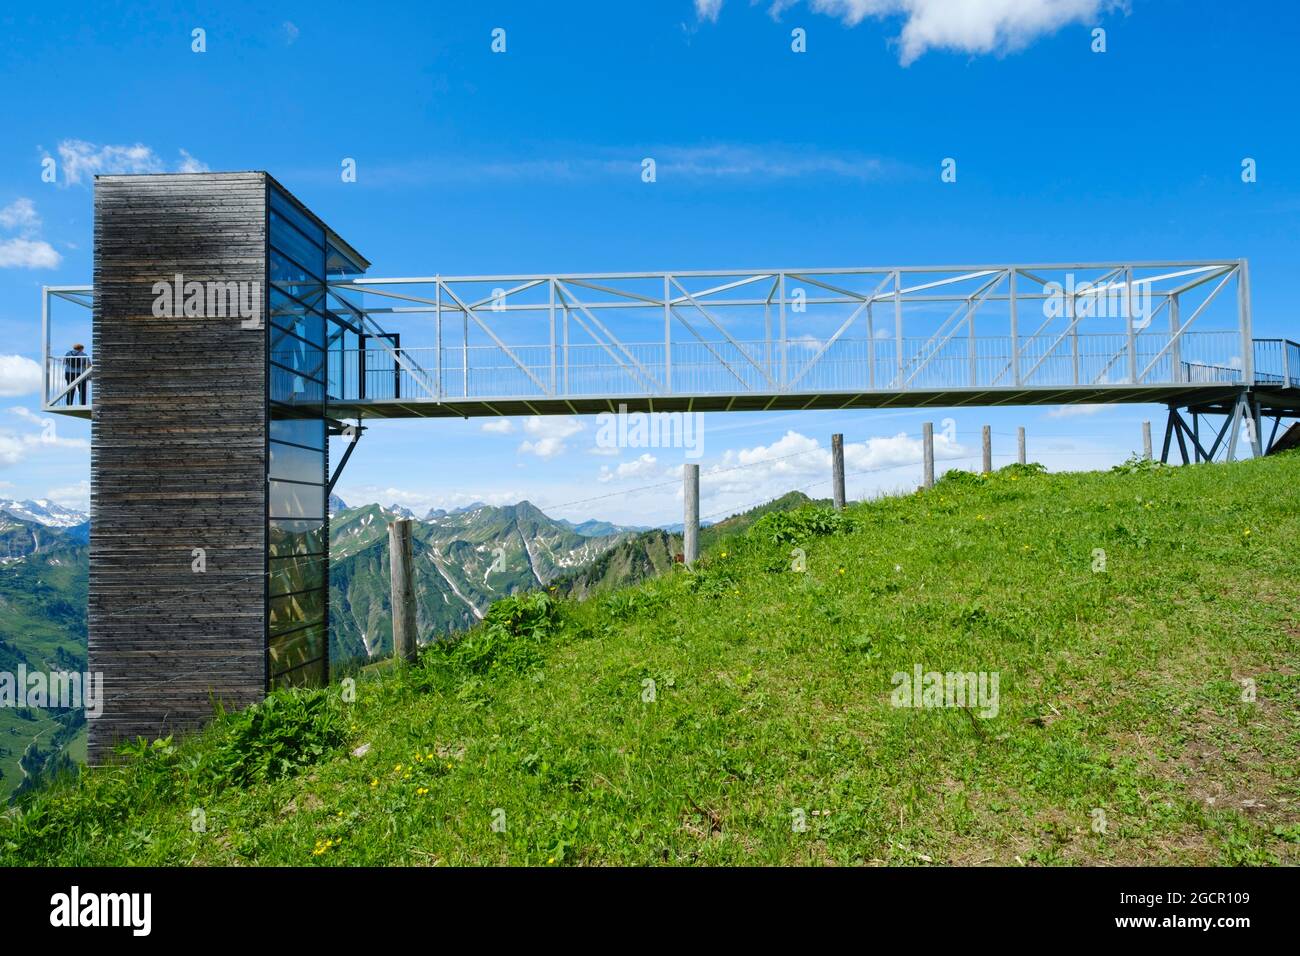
(28, 254)
(966, 26)
(709, 163)
(549, 434)
(638, 468)
(11, 449)
(796, 460)
(20, 214)
(15, 446)
(82, 160)
(26, 250)
(189, 164)
(543, 447)
(1076, 411)
(708, 9)
(291, 32)
(72, 496)
(19, 376)
(499, 426)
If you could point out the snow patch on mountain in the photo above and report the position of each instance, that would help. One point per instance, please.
(43, 511)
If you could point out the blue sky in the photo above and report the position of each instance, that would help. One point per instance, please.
(471, 162)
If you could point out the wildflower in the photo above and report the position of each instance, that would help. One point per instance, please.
(1246, 533)
(724, 554)
(421, 791)
(397, 769)
(374, 782)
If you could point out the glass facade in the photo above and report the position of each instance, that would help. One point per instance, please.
(297, 524)
(306, 344)
(305, 340)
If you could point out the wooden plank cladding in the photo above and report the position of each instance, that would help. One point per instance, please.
(178, 458)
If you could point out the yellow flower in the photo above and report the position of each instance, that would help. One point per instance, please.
(428, 756)
(374, 782)
(422, 791)
(1246, 533)
(551, 860)
(724, 554)
(397, 769)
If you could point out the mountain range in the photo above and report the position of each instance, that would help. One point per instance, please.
(465, 559)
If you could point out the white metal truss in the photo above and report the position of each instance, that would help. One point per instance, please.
(480, 345)
(814, 331)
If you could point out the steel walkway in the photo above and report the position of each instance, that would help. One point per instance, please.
(1177, 333)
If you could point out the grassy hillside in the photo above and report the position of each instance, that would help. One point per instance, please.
(42, 627)
(1121, 699)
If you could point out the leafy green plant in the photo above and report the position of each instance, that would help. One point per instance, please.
(509, 639)
(288, 731)
(1137, 465)
(791, 527)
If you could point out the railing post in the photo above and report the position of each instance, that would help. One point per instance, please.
(1243, 311)
(46, 372)
(1020, 444)
(871, 349)
(437, 333)
(1132, 331)
(1146, 441)
(898, 324)
(400, 569)
(550, 285)
(988, 449)
(837, 471)
(668, 338)
(397, 366)
(361, 365)
(691, 518)
(1176, 344)
(781, 320)
(1012, 274)
(970, 337)
(1074, 334)
(927, 454)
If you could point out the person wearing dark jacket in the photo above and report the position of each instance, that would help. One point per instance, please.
(75, 362)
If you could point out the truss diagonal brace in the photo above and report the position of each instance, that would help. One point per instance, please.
(356, 431)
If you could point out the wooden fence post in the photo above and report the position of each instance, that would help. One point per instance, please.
(401, 572)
